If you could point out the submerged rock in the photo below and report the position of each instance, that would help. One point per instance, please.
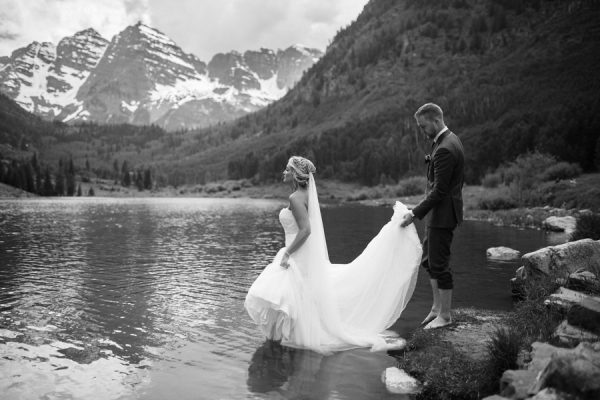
(502, 253)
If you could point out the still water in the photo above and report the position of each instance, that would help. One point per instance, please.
(104, 298)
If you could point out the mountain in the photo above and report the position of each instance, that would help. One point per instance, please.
(44, 78)
(142, 77)
(511, 76)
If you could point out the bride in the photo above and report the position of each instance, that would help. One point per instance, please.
(305, 301)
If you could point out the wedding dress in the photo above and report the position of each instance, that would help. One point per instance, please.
(327, 307)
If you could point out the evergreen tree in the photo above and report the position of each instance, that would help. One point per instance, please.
(48, 189)
(126, 181)
(91, 191)
(79, 190)
(29, 179)
(39, 188)
(59, 186)
(125, 178)
(70, 184)
(139, 180)
(147, 179)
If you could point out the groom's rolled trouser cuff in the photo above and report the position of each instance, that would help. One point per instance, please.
(436, 256)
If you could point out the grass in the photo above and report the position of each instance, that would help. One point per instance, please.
(447, 372)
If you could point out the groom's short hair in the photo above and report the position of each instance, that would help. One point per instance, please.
(430, 111)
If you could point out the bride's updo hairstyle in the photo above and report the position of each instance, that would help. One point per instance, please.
(301, 168)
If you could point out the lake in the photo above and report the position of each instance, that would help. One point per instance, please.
(110, 298)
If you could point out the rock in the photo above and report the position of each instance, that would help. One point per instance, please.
(395, 344)
(567, 298)
(572, 335)
(495, 397)
(552, 394)
(398, 381)
(560, 224)
(576, 372)
(517, 283)
(583, 280)
(516, 384)
(471, 331)
(564, 259)
(502, 253)
(585, 315)
(541, 353)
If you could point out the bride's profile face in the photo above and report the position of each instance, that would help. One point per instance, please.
(287, 174)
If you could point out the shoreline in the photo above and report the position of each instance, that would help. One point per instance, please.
(330, 193)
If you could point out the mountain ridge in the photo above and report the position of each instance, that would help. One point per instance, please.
(141, 76)
(512, 77)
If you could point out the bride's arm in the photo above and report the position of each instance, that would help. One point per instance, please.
(298, 207)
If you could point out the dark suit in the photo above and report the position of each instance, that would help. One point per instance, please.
(443, 205)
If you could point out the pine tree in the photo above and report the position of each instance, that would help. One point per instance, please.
(48, 189)
(91, 191)
(139, 180)
(79, 190)
(147, 179)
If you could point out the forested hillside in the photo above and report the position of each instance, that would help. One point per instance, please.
(512, 76)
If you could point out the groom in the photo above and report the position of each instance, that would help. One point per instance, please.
(443, 204)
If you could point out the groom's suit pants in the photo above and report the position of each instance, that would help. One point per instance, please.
(436, 255)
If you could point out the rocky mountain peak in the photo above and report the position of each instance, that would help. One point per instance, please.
(141, 76)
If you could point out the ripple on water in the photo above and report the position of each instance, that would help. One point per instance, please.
(151, 291)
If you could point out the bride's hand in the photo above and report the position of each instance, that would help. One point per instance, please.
(285, 260)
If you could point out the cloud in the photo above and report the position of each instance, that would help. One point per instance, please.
(201, 27)
(206, 27)
(51, 20)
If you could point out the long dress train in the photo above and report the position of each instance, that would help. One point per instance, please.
(331, 307)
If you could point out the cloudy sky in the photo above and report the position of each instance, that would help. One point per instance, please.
(201, 27)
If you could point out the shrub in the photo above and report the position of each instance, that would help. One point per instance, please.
(526, 168)
(491, 180)
(411, 186)
(561, 170)
(588, 226)
(503, 350)
(497, 201)
(524, 173)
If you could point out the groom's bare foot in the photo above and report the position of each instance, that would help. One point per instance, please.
(430, 317)
(438, 322)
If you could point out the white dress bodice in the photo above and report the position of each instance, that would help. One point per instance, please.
(290, 227)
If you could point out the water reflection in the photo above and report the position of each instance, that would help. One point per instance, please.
(277, 370)
(160, 284)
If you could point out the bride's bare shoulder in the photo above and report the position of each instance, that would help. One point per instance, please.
(299, 197)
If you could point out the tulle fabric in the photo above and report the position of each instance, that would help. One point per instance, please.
(331, 307)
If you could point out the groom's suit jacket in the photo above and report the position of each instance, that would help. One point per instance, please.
(445, 177)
